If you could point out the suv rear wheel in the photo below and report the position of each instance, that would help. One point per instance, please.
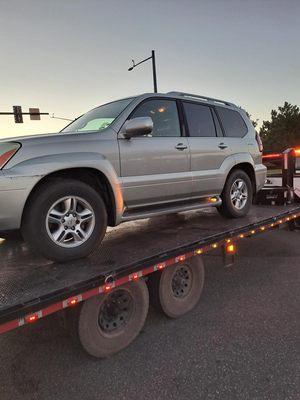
(65, 219)
(237, 195)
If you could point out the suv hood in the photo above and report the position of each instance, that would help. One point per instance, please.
(28, 137)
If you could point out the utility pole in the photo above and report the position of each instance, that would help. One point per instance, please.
(152, 57)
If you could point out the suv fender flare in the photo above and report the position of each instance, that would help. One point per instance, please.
(43, 166)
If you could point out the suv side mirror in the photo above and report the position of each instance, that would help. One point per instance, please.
(139, 126)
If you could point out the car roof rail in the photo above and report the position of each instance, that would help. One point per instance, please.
(196, 96)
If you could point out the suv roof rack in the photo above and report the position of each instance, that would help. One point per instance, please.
(196, 96)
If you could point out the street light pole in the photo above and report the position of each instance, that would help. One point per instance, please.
(153, 68)
(154, 71)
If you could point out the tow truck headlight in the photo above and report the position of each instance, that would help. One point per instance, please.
(7, 151)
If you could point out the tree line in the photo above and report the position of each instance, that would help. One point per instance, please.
(282, 130)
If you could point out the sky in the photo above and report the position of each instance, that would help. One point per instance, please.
(68, 56)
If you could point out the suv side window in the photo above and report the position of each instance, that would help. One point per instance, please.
(233, 123)
(199, 120)
(164, 115)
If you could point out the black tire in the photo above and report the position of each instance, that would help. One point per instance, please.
(34, 228)
(166, 298)
(227, 209)
(95, 338)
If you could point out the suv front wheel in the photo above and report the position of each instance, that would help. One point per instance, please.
(64, 220)
(237, 195)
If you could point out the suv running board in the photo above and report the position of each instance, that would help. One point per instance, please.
(141, 213)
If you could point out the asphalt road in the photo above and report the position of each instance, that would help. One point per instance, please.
(240, 342)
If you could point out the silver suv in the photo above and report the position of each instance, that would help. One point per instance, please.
(133, 158)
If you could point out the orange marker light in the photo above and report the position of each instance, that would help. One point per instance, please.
(231, 248)
(213, 199)
(73, 302)
(262, 228)
(241, 235)
(214, 246)
(198, 251)
(252, 232)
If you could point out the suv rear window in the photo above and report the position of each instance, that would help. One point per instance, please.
(199, 119)
(233, 123)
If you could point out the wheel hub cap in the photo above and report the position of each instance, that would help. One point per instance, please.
(239, 194)
(115, 311)
(182, 281)
(70, 221)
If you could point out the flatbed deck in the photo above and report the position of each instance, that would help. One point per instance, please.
(29, 283)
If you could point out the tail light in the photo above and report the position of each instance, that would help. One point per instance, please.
(259, 142)
(297, 152)
(7, 151)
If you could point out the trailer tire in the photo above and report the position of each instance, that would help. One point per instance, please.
(106, 326)
(176, 290)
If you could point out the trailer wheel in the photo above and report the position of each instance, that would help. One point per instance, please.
(110, 322)
(176, 290)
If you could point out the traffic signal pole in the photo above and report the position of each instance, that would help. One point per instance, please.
(18, 114)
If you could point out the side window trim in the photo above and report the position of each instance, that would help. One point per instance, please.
(185, 122)
(216, 119)
(182, 118)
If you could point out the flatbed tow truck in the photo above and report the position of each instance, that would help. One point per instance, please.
(104, 299)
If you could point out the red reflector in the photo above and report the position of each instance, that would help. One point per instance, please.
(161, 266)
(107, 288)
(135, 277)
(31, 318)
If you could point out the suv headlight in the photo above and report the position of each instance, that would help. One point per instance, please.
(7, 151)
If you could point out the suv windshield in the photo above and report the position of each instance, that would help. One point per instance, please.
(99, 118)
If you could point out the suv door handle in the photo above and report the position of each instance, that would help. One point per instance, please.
(180, 146)
(223, 146)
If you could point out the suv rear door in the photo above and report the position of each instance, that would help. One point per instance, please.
(156, 168)
(235, 130)
(209, 148)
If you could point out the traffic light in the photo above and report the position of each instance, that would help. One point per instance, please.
(18, 114)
